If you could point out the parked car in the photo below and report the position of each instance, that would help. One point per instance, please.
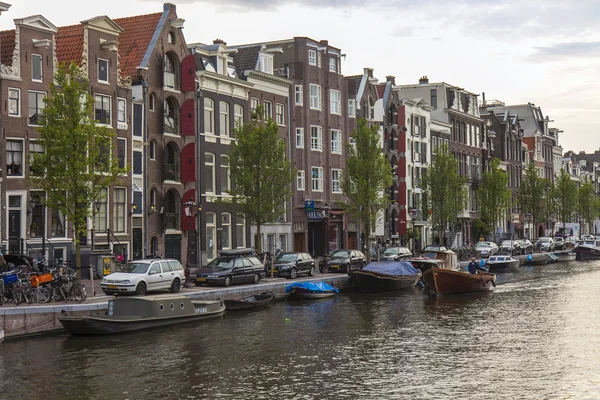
(545, 243)
(395, 254)
(559, 243)
(510, 246)
(138, 277)
(291, 265)
(231, 267)
(525, 246)
(486, 249)
(587, 238)
(343, 261)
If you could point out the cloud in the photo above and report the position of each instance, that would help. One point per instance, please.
(559, 51)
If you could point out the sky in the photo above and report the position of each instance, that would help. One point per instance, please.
(516, 51)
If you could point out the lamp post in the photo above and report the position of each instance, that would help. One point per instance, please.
(191, 208)
(413, 216)
(326, 210)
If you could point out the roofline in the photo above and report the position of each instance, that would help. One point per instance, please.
(283, 41)
(416, 85)
(155, 36)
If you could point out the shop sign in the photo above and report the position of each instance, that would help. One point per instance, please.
(309, 206)
(314, 215)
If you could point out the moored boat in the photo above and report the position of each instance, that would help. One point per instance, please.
(258, 300)
(434, 256)
(536, 259)
(137, 313)
(386, 275)
(564, 256)
(552, 258)
(584, 252)
(453, 282)
(310, 290)
(502, 263)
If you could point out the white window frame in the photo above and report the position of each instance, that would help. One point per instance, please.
(224, 125)
(43, 106)
(213, 175)
(223, 225)
(318, 59)
(315, 98)
(109, 108)
(18, 91)
(116, 218)
(238, 114)
(279, 116)
(41, 58)
(268, 105)
(254, 102)
(124, 120)
(104, 199)
(122, 140)
(209, 115)
(332, 64)
(316, 138)
(265, 64)
(336, 145)
(299, 138)
(336, 175)
(152, 102)
(107, 70)
(225, 171)
(317, 181)
(22, 141)
(299, 95)
(335, 102)
(240, 227)
(300, 182)
(312, 57)
(352, 108)
(212, 226)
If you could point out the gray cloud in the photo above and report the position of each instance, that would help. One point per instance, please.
(560, 50)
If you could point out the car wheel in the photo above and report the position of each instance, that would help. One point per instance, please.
(311, 272)
(293, 273)
(175, 286)
(227, 281)
(256, 279)
(140, 289)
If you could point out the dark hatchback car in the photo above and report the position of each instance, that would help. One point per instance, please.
(291, 265)
(343, 261)
(394, 254)
(231, 267)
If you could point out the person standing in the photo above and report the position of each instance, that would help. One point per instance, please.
(472, 267)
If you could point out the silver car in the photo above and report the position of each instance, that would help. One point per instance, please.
(486, 249)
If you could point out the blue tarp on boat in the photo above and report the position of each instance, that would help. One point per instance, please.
(394, 268)
(313, 286)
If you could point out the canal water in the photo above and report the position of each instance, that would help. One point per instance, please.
(537, 336)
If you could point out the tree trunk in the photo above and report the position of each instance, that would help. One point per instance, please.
(258, 239)
(367, 225)
(78, 255)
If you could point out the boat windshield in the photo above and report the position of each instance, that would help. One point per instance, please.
(221, 263)
(392, 250)
(341, 254)
(134, 268)
(286, 257)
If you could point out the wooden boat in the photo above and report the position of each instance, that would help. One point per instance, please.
(446, 259)
(453, 282)
(258, 300)
(386, 275)
(565, 256)
(584, 252)
(137, 313)
(310, 291)
(502, 263)
(536, 259)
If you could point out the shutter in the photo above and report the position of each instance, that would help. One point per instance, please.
(402, 194)
(188, 165)
(188, 74)
(402, 222)
(188, 221)
(187, 118)
(137, 162)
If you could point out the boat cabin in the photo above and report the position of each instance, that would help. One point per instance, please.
(168, 306)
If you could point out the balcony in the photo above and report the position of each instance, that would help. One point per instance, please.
(172, 172)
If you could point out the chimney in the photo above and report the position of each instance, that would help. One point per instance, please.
(391, 78)
(368, 71)
(483, 103)
(219, 41)
(423, 80)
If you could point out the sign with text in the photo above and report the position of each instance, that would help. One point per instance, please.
(315, 215)
(309, 206)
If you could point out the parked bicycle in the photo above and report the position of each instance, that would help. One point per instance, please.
(64, 287)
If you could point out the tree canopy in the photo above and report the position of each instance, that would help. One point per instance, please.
(587, 205)
(564, 194)
(532, 196)
(494, 195)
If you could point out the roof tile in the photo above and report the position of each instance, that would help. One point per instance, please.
(135, 39)
(380, 90)
(7, 46)
(69, 44)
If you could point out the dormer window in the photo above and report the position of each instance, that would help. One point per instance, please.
(102, 70)
(36, 67)
(266, 64)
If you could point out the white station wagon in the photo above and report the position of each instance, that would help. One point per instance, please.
(140, 276)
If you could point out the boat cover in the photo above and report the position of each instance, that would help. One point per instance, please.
(394, 268)
(313, 286)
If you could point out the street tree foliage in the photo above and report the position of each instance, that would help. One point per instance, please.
(588, 205)
(77, 162)
(532, 196)
(444, 191)
(494, 195)
(366, 178)
(564, 197)
(261, 174)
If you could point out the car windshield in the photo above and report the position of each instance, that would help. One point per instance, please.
(221, 263)
(134, 268)
(558, 239)
(507, 243)
(341, 254)
(482, 244)
(392, 250)
(543, 240)
(286, 257)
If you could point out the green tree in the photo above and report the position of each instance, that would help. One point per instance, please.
(444, 190)
(76, 164)
(366, 177)
(587, 204)
(564, 195)
(261, 174)
(532, 196)
(494, 195)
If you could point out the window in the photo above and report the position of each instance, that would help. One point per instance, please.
(318, 59)
(14, 102)
(102, 108)
(209, 181)
(35, 107)
(119, 210)
(171, 38)
(268, 110)
(209, 116)
(279, 114)
(171, 120)
(210, 236)
(226, 231)
(265, 64)
(102, 153)
(57, 228)
(224, 119)
(336, 141)
(153, 149)
(335, 102)
(240, 232)
(172, 160)
(152, 102)
(315, 97)
(38, 215)
(225, 177)
(14, 158)
(332, 64)
(283, 242)
(121, 152)
(137, 162)
(299, 98)
(34, 148)
(352, 108)
(36, 67)
(316, 138)
(100, 211)
(170, 74)
(336, 175)
(299, 138)
(312, 57)
(238, 115)
(253, 106)
(138, 113)
(300, 181)
(121, 111)
(317, 179)
(102, 70)
(434, 98)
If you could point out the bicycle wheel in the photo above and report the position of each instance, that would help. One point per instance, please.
(78, 294)
(42, 295)
(27, 295)
(16, 294)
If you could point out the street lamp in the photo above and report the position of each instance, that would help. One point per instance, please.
(191, 208)
(413, 216)
(326, 209)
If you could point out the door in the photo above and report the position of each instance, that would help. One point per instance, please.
(167, 275)
(154, 276)
(137, 244)
(298, 241)
(14, 231)
(173, 247)
(239, 272)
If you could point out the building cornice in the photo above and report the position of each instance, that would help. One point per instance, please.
(269, 77)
